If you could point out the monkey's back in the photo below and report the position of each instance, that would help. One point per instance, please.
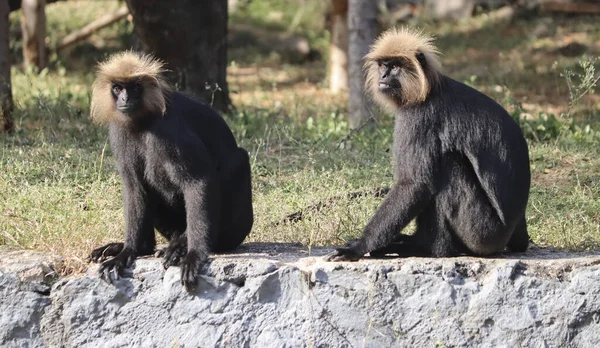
(204, 121)
(465, 121)
(471, 119)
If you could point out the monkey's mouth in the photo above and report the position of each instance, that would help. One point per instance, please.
(127, 109)
(385, 87)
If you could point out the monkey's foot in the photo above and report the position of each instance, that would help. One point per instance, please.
(343, 254)
(104, 252)
(116, 265)
(175, 252)
(190, 269)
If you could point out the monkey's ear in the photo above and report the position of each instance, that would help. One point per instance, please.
(421, 58)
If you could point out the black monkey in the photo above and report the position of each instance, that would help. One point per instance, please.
(461, 162)
(182, 171)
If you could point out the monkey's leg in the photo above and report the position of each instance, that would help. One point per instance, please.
(400, 206)
(434, 236)
(170, 222)
(470, 215)
(236, 197)
(175, 252)
(139, 235)
(519, 241)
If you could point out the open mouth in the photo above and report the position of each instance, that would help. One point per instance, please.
(384, 87)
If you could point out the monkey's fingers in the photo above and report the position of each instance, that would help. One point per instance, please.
(104, 270)
(173, 256)
(342, 254)
(175, 252)
(115, 267)
(172, 260)
(189, 278)
(104, 252)
(96, 256)
(160, 252)
(190, 269)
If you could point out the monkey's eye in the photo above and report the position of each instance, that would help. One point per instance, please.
(396, 68)
(117, 89)
(382, 68)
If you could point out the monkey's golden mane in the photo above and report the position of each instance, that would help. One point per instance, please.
(405, 44)
(125, 67)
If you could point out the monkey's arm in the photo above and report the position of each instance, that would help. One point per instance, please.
(139, 227)
(401, 205)
(191, 168)
(202, 204)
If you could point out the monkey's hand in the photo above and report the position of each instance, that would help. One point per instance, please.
(190, 269)
(104, 252)
(348, 253)
(116, 265)
(343, 254)
(174, 253)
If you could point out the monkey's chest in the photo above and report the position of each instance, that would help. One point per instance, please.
(159, 180)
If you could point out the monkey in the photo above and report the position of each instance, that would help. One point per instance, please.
(460, 162)
(182, 171)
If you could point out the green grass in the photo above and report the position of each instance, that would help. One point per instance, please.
(60, 192)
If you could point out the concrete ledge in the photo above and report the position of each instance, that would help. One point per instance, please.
(282, 295)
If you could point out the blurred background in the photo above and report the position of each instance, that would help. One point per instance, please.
(286, 75)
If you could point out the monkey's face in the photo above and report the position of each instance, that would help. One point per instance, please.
(390, 74)
(127, 96)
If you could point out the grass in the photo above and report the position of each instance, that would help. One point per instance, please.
(60, 193)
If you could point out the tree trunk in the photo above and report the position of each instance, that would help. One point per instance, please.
(362, 27)
(338, 49)
(191, 37)
(33, 27)
(6, 100)
(16, 4)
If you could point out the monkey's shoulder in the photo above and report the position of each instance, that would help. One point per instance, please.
(195, 114)
(463, 98)
(186, 104)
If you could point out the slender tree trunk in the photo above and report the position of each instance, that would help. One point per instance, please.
(338, 49)
(16, 4)
(191, 37)
(6, 100)
(362, 28)
(33, 27)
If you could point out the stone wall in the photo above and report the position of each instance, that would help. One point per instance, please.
(278, 295)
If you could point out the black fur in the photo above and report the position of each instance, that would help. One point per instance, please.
(461, 168)
(184, 175)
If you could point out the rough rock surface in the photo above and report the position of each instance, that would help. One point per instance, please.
(281, 295)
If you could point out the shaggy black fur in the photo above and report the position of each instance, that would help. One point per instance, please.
(184, 175)
(461, 169)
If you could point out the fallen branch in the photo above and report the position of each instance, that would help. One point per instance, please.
(579, 7)
(316, 207)
(91, 28)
